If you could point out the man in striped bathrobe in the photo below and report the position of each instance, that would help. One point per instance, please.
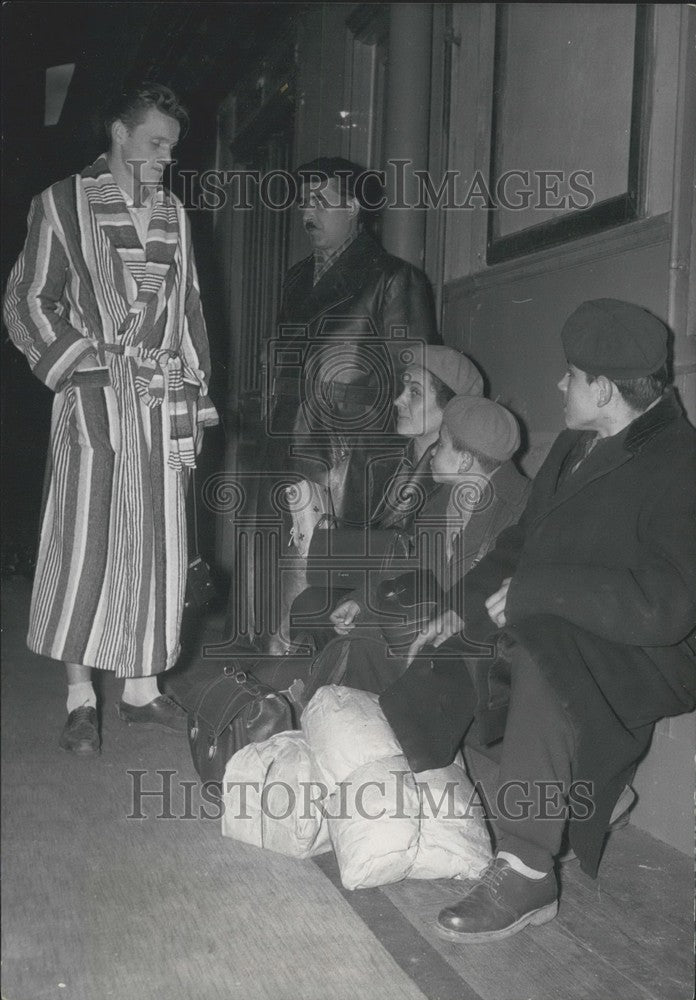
(104, 303)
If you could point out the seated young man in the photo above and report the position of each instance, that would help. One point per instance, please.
(589, 608)
(476, 442)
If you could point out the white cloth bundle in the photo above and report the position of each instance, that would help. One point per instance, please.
(271, 797)
(385, 823)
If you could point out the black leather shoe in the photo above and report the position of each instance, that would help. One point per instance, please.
(499, 905)
(162, 712)
(81, 733)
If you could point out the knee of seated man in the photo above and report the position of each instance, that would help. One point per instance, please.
(311, 601)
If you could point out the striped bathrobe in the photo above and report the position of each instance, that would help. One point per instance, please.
(111, 568)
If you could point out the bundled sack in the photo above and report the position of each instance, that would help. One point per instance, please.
(271, 797)
(372, 826)
(345, 729)
(385, 823)
(453, 834)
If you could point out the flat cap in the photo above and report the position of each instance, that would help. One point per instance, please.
(483, 425)
(614, 338)
(454, 369)
(358, 181)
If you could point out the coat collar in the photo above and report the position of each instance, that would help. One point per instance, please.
(610, 453)
(649, 424)
(507, 488)
(152, 270)
(509, 484)
(108, 205)
(343, 280)
(407, 490)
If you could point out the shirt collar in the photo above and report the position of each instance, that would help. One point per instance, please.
(145, 203)
(322, 261)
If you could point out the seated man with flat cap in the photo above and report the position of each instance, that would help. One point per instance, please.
(588, 608)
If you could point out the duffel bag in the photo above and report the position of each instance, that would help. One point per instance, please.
(230, 712)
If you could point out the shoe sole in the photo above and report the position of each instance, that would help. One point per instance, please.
(537, 917)
(77, 752)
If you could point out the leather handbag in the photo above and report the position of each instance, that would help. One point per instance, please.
(200, 589)
(407, 602)
(231, 711)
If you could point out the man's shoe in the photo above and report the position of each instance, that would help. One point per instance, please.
(498, 905)
(81, 733)
(162, 712)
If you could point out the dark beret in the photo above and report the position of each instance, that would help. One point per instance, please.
(483, 425)
(614, 338)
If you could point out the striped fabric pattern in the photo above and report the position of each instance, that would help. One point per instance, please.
(111, 569)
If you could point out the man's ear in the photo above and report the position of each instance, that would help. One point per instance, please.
(353, 204)
(605, 390)
(118, 132)
(466, 461)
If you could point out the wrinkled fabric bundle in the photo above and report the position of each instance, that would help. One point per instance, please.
(385, 824)
(452, 833)
(271, 797)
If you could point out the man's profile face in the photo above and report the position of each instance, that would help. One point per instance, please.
(579, 400)
(328, 217)
(146, 149)
(445, 460)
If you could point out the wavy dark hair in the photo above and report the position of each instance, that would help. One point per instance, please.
(132, 104)
(640, 392)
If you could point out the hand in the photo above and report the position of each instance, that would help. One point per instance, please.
(198, 438)
(438, 630)
(343, 617)
(495, 605)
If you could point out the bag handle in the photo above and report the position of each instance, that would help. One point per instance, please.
(247, 689)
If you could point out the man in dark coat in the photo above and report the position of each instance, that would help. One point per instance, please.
(352, 315)
(594, 597)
